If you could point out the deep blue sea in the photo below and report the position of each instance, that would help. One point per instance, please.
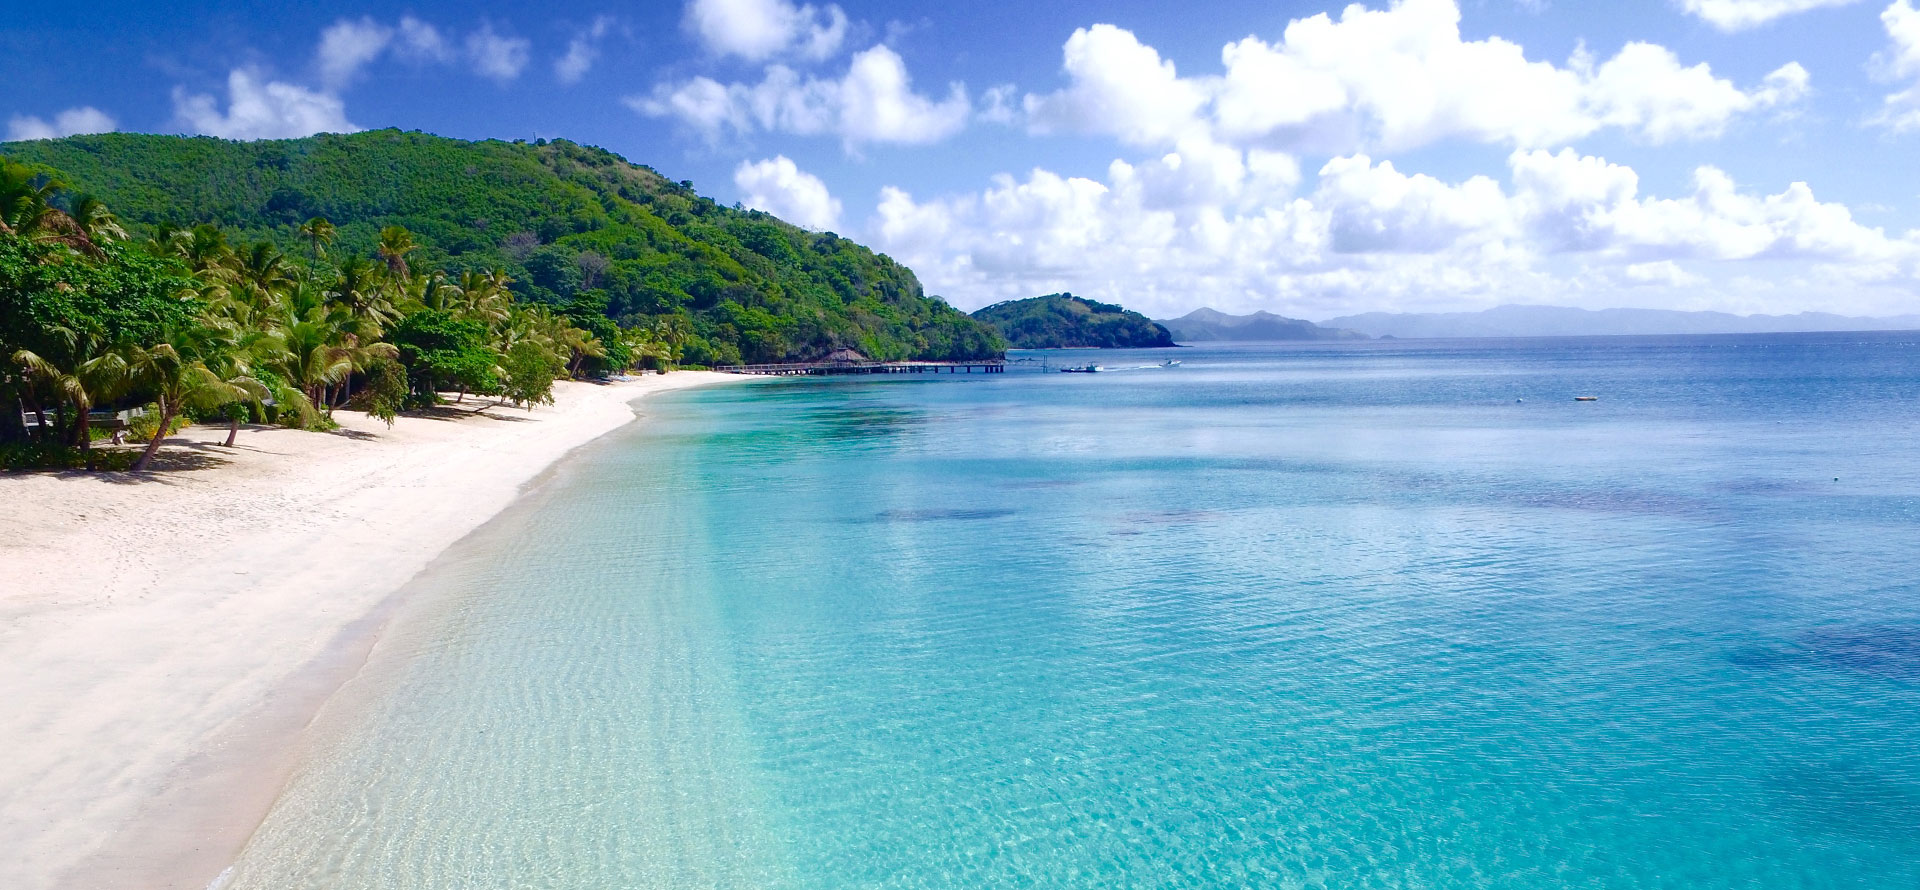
(1393, 614)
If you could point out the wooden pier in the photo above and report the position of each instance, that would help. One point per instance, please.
(821, 369)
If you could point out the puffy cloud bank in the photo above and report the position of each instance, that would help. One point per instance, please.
(873, 102)
(1389, 80)
(71, 122)
(1216, 213)
(757, 30)
(258, 108)
(780, 187)
(1215, 226)
(1739, 15)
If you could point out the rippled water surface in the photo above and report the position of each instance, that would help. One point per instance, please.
(1394, 614)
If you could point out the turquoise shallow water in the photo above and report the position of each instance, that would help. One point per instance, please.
(1386, 615)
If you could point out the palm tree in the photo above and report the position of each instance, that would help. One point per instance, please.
(321, 344)
(485, 297)
(25, 195)
(319, 232)
(93, 218)
(203, 248)
(87, 373)
(395, 243)
(312, 357)
(435, 292)
(360, 289)
(178, 380)
(27, 210)
(263, 274)
(228, 353)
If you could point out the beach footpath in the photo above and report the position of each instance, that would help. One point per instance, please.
(164, 638)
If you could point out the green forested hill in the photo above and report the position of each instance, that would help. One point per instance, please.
(562, 219)
(1063, 320)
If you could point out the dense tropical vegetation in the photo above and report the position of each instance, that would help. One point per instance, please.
(191, 323)
(604, 243)
(1062, 321)
(278, 281)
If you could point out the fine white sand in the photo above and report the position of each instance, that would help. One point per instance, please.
(164, 638)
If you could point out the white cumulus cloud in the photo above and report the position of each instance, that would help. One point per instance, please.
(778, 186)
(71, 122)
(1900, 62)
(1392, 79)
(495, 55)
(582, 50)
(1739, 15)
(258, 108)
(422, 42)
(1120, 86)
(873, 102)
(757, 30)
(346, 46)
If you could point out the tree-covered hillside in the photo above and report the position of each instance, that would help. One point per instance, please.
(564, 221)
(1059, 321)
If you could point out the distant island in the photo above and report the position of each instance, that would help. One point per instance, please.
(1064, 321)
(1208, 325)
(1560, 321)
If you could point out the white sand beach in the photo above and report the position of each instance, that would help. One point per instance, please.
(165, 638)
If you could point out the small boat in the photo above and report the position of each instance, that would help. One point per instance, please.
(1170, 363)
(1586, 398)
(1089, 369)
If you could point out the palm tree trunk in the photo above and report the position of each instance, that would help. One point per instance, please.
(159, 433)
(463, 394)
(79, 435)
(82, 435)
(233, 426)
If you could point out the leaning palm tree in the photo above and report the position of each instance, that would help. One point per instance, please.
(319, 232)
(395, 243)
(179, 381)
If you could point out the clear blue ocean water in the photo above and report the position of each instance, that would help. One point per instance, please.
(1376, 615)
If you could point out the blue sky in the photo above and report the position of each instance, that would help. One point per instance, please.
(1311, 159)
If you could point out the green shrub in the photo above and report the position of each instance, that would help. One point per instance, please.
(141, 428)
(54, 456)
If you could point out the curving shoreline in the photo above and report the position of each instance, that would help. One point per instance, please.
(167, 638)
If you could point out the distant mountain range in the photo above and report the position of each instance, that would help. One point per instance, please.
(1559, 321)
(1207, 325)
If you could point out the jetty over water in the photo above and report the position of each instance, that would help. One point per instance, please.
(820, 369)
